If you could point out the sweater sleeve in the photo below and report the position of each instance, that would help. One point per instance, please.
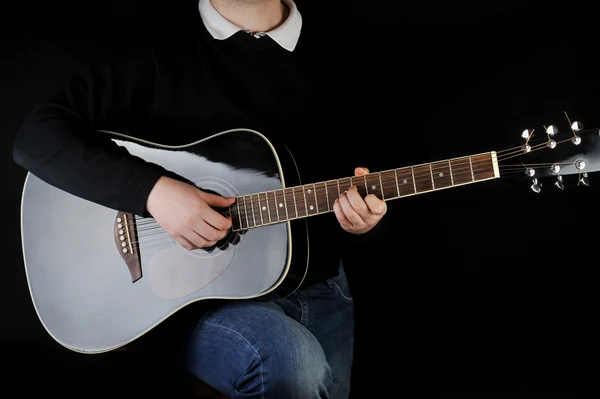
(59, 140)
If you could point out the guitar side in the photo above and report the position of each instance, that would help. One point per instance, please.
(85, 294)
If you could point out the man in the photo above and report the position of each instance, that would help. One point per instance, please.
(250, 63)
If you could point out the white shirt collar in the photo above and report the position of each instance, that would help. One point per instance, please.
(286, 34)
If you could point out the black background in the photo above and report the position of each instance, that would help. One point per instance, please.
(486, 291)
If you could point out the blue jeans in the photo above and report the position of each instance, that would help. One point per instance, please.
(297, 347)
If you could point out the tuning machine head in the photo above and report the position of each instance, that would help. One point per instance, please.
(575, 127)
(559, 182)
(536, 187)
(583, 180)
(526, 134)
(551, 131)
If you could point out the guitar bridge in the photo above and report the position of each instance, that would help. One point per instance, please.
(125, 232)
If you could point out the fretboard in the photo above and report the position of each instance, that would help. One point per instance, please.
(277, 206)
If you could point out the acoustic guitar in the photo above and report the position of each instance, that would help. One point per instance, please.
(100, 278)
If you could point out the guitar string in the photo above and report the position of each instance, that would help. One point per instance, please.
(141, 236)
(160, 237)
(514, 151)
(389, 180)
(388, 183)
(459, 169)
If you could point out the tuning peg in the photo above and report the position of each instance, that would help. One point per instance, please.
(526, 134)
(536, 186)
(551, 130)
(530, 172)
(559, 182)
(583, 179)
(576, 126)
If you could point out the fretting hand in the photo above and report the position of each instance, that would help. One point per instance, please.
(355, 214)
(185, 213)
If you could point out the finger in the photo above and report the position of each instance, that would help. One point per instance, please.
(216, 220)
(376, 206)
(187, 244)
(198, 240)
(208, 232)
(358, 204)
(353, 217)
(339, 214)
(216, 200)
(361, 171)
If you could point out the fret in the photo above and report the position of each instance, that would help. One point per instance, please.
(450, 168)
(412, 170)
(331, 188)
(441, 174)
(423, 178)
(406, 184)
(273, 208)
(431, 173)
(301, 207)
(264, 208)
(374, 184)
(344, 184)
(282, 206)
(290, 203)
(321, 197)
(461, 170)
(389, 184)
(361, 185)
(483, 167)
(236, 221)
(471, 163)
(258, 207)
(310, 199)
(243, 215)
(250, 211)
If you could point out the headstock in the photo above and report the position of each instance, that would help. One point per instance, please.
(552, 154)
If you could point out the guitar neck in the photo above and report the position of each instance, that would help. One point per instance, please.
(276, 206)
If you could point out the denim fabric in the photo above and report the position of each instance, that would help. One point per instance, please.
(297, 347)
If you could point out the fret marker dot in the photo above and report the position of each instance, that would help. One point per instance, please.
(309, 191)
(404, 181)
(311, 207)
(373, 187)
(281, 205)
(264, 208)
(441, 174)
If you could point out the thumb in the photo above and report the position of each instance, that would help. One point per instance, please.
(217, 200)
(361, 171)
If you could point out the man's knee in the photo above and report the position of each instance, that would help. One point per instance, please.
(294, 369)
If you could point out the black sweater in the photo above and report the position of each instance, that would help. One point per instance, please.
(179, 91)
